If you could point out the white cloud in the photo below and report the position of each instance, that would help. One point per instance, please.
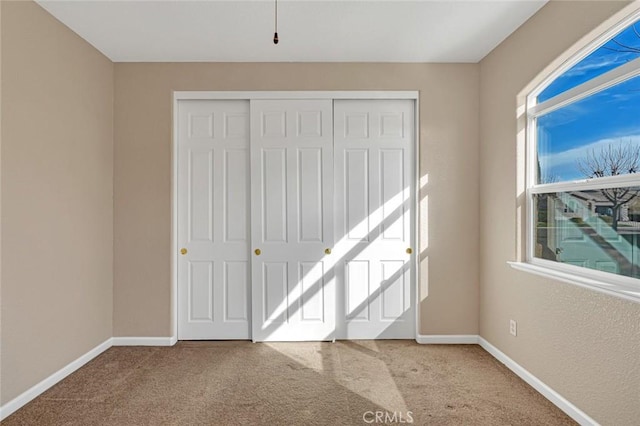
(561, 160)
(588, 65)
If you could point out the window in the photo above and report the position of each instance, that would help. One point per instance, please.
(583, 180)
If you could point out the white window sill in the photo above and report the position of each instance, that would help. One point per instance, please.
(612, 289)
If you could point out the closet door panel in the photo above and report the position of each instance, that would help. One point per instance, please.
(292, 220)
(374, 142)
(213, 220)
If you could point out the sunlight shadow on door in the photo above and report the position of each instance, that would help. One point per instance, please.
(347, 249)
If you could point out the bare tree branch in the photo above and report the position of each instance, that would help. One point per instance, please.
(612, 160)
(619, 50)
(624, 46)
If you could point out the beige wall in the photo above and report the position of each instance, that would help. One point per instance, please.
(58, 175)
(449, 150)
(583, 344)
(57, 207)
(0, 205)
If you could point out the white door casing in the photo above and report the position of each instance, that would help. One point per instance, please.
(213, 219)
(293, 288)
(262, 174)
(374, 142)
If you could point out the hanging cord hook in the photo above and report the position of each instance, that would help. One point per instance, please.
(275, 34)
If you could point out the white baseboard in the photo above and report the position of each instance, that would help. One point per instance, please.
(571, 410)
(19, 401)
(447, 339)
(144, 341)
(558, 400)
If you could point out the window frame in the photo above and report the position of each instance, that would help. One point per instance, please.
(618, 285)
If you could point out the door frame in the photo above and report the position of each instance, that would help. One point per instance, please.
(178, 96)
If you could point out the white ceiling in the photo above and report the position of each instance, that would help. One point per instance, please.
(310, 31)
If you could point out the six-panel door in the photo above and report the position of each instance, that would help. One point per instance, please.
(292, 220)
(374, 195)
(213, 220)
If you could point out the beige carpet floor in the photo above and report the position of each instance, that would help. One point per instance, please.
(342, 383)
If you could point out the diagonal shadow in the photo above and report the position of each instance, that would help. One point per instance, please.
(295, 305)
(626, 266)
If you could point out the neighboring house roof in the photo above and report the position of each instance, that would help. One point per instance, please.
(591, 196)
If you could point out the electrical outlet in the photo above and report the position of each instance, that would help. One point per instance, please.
(513, 327)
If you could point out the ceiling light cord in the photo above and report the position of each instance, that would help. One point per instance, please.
(275, 34)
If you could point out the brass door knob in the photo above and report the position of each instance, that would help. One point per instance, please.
(257, 252)
(409, 250)
(327, 251)
(183, 251)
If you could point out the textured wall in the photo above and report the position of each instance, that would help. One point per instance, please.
(57, 197)
(0, 204)
(583, 344)
(449, 152)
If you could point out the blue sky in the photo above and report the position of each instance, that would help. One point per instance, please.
(610, 116)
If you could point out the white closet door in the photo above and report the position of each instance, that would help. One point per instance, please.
(292, 220)
(374, 198)
(213, 220)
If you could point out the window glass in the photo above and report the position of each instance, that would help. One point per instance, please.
(621, 49)
(576, 220)
(595, 229)
(593, 137)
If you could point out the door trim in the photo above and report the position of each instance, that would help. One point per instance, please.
(178, 96)
(280, 95)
